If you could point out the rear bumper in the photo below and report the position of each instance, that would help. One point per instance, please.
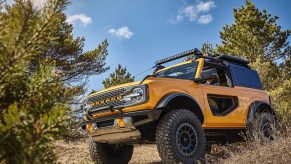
(106, 129)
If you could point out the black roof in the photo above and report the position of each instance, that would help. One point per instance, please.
(233, 60)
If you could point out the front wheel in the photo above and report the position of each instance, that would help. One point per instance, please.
(103, 153)
(180, 137)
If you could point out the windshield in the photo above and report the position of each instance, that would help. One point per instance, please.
(185, 71)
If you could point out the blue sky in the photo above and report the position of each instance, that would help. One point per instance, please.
(141, 32)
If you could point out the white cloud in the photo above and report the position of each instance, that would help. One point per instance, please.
(193, 12)
(121, 33)
(179, 18)
(204, 7)
(205, 19)
(83, 19)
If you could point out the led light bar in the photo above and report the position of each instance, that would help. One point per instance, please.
(178, 56)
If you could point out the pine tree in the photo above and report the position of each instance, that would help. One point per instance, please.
(254, 34)
(120, 76)
(206, 49)
(40, 65)
(256, 37)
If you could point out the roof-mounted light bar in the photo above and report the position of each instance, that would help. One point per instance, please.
(178, 56)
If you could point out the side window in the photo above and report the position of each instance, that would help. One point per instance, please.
(222, 105)
(223, 77)
(246, 77)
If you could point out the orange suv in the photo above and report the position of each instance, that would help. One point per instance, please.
(181, 108)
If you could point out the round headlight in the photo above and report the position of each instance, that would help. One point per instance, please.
(138, 94)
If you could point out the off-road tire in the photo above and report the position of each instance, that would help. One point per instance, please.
(263, 127)
(103, 153)
(167, 137)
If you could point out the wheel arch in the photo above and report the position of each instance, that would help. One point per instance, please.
(174, 100)
(259, 107)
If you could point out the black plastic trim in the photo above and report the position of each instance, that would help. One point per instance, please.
(231, 109)
(166, 99)
(153, 115)
(254, 107)
(223, 130)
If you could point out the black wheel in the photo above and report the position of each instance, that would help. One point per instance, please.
(103, 153)
(263, 127)
(180, 137)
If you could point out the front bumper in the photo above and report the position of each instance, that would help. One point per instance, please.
(106, 129)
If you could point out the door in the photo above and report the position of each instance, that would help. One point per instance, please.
(223, 107)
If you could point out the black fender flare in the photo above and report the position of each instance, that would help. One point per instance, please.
(257, 106)
(166, 99)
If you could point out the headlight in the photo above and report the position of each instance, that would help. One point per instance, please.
(135, 95)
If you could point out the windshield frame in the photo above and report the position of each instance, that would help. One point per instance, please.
(174, 69)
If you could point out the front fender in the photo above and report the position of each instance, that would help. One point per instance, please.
(195, 107)
(166, 99)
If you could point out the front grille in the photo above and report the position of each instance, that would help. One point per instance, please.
(107, 95)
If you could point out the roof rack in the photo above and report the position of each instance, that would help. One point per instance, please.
(194, 51)
(227, 58)
(233, 60)
(198, 54)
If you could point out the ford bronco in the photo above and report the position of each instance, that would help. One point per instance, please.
(181, 108)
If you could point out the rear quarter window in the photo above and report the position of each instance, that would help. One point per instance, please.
(246, 77)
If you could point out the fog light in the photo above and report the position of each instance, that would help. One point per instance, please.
(90, 128)
(120, 122)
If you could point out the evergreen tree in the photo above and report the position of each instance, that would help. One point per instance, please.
(120, 76)
(256, 36)
(206, 49)
(42, 69)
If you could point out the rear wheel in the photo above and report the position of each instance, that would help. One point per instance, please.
(263, 127)
(103, 153)
(180, 137)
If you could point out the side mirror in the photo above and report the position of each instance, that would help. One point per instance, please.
(207, 75)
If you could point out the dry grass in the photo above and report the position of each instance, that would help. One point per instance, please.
(278, 151)
(73, 152)
(76, 152)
